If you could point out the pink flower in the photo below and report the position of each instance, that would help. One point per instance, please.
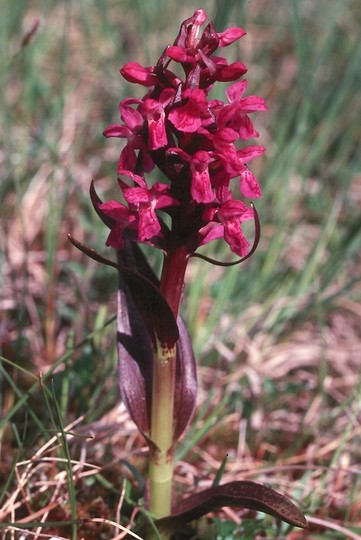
(235, 114)
(124, 221)
(232, 214)
(154, 113)
(130, 130)
(201, 188)
(190, 116)
(135, 73)
(138, 221)
(226, 221)
(192, 140)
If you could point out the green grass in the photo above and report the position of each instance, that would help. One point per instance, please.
(280, 334)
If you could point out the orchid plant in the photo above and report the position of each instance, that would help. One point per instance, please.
(196, 143)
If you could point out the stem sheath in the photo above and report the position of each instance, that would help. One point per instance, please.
(163, 388)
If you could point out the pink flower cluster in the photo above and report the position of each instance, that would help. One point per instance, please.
(191, 140)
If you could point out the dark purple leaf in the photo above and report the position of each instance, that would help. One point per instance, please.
(243, 494)
(135, 356)
(135, 359)
(96, 201)
(142, 314)
(152, 306)
(133, 257)
(186, 382)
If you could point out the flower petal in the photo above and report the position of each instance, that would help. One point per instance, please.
(135, 73)
(235, 91)
(116, 130)
(155, 116)
(231, 72)
(248, 185)
(230, 36)
(201, 188)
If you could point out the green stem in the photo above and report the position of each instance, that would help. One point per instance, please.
(163, 391)
(161, 456)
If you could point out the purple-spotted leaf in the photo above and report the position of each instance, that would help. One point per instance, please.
(243, 494)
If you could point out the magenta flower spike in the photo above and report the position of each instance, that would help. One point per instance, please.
(198, 144)
(191, 139)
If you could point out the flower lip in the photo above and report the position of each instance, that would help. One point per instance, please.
(257, 236)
